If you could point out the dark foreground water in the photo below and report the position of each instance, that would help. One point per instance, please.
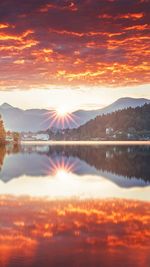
(75, 206)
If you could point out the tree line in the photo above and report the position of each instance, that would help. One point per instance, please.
(130, 120)
(2, 132)
(14, 136)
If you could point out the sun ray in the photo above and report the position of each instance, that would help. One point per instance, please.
(59, 164)
(61, 118)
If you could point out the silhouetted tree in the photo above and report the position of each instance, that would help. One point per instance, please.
(16, 137)
(2, 131)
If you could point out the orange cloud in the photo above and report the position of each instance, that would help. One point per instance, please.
(69, 6)
(19, 61)
(133, 16)
(138, 27)
(4, 25)
(5, 36)
(94, 43)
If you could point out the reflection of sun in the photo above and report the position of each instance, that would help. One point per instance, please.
(60, 167)
(62, 174)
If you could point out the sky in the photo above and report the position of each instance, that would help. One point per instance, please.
(81, 54)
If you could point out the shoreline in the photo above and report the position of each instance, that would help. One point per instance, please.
(145, 143)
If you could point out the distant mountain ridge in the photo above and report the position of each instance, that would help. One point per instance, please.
(16, 119)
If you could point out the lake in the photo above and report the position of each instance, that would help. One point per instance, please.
(73, 205)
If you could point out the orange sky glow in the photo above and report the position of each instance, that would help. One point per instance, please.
(48, 44)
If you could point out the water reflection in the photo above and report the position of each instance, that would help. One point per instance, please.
(2, 155)
(123, 165)
(74, 206)
(74, 233)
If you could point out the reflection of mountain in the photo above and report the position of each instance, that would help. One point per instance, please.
(41, 164)
(128, 161)
(125, 166)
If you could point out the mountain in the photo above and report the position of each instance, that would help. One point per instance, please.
(132, 121)
(125, 102)
(16, 119)
(6, 106)
(121, 103)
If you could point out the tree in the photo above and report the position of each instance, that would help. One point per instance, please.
(16, 137)
(130, 120)
(2, 131)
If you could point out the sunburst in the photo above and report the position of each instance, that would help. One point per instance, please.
(60, 165)
(60, 117)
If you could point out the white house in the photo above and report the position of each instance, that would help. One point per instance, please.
(42, 137)
(109, 130)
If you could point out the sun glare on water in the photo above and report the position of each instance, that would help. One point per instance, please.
(62, 174)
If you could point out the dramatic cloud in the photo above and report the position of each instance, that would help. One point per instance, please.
(45, 42)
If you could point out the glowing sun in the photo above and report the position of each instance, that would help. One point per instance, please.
(62, 112)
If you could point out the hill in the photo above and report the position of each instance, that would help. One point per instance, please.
(16, 119)
(133, 122)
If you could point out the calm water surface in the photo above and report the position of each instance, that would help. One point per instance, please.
(74, 206)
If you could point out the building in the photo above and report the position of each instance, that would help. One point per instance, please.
(35, 137)
(42, 137)
(109, 131)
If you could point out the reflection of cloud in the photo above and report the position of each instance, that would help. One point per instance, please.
(15, 243)
(34, 230)
(86, 225)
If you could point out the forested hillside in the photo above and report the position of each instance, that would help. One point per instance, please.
(127, 121)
